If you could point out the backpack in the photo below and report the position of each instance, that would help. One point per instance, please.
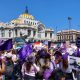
(9, 69)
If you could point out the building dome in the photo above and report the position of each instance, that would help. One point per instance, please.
(26, 15)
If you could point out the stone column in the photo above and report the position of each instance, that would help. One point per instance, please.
(31, 34)
(74, 37)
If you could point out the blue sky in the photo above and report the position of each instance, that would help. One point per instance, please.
(52, 13)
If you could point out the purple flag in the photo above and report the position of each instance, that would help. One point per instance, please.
(65, 56)
(47, 74)
(25, 51)
(7, 45)
(1, 41)
(63, 50)
(78, 52)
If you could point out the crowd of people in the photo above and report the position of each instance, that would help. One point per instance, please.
(43, 64)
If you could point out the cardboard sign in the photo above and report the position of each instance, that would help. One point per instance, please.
(74, 62)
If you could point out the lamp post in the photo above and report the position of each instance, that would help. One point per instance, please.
(69, 19)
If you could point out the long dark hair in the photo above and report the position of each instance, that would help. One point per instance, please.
(65, 63)
(28, 66)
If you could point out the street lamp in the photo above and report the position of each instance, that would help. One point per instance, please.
(69, 19)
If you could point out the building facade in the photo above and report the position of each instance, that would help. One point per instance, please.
(67, 35)
(26, 25)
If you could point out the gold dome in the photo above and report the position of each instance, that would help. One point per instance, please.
(26, 15)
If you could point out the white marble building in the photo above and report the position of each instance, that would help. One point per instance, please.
(26, 25)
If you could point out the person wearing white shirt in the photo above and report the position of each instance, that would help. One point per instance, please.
(29, 69)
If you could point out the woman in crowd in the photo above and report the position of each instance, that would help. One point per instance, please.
(48, 67)
(66, 68)
(29, 69)
(17, 68)
(2, 68)
(57, 73)
(58, 60)
(61, 62)
(51, 52)
(9, 66)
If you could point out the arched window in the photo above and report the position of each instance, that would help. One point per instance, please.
(50, 35)
(45, 34)
(58, 38)
(16, 33)
(40, 28)
(33, 23)
(9, 33)
(34, 33)
(2, 33)
(29, 33)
